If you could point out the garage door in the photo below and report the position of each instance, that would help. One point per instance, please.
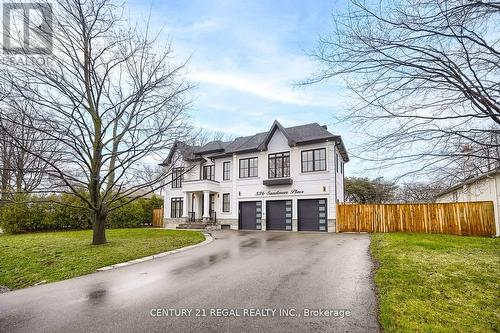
(250, 215)
(312, 215)
(279, 215)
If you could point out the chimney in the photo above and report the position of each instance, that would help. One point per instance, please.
(325, 127)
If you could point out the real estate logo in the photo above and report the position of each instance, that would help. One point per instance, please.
(27, 28)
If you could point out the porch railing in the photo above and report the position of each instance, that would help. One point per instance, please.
(192, 218)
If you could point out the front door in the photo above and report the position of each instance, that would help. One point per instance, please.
(211, 205)
(212, 202)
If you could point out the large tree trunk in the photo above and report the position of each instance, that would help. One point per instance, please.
(98, 227)
(98, 213)
(5, 182)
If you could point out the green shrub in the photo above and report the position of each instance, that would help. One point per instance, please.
(68, 215)
(62, 212)
(16, 217)
(130, 215)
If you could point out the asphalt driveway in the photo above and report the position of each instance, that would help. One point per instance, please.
(241, 282)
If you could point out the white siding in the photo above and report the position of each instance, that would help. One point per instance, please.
(486, 189)
(326, 184)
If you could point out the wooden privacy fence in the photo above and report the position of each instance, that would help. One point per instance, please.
(458, 218)
(158, 217)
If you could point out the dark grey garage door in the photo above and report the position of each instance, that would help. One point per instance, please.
(249, 217)
(312, 215)
(279, 215)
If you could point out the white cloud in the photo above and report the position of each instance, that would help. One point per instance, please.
(203, 26)
(259, 86)
(273, 87)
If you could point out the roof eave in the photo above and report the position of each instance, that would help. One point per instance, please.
(209, 151)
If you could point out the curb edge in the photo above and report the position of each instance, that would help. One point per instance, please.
(208, 239)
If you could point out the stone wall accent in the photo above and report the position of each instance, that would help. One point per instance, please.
(170, 223)
(332, 225)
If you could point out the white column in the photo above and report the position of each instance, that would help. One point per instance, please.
(185, 205)
(206, 204)
(197, 207)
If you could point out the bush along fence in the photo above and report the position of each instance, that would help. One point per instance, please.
(459, 218)
(27, 213)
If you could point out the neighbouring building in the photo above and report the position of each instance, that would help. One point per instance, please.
(485, 187)
(283, 179)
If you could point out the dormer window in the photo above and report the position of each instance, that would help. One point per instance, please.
(279, 165)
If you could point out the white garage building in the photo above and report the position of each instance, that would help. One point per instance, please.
(283, 179)
(484, 187)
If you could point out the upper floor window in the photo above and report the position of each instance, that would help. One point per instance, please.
(209, 172)
(314, 160)
(279, 165)
(248, 167)
(177, 176)
(226, 171)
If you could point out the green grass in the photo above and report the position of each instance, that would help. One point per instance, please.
(437, 283)
(26, 259)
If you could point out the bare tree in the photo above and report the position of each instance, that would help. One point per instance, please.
(425, 75)
(151, 175)
(5, 164)
(418, 192)
(22, 171)
(112, 99)
(365, 190)
(203, 136)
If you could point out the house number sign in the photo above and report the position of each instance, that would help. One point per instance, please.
(262, 193)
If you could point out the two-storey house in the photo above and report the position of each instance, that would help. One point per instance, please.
(283, 179)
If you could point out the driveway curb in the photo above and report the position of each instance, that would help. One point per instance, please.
(208, 239)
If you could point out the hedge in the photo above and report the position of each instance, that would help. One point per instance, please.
(27, 213)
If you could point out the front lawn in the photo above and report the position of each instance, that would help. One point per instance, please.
(26, 259)
(437, 283)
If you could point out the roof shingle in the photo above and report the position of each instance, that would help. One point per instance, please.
(301, 134)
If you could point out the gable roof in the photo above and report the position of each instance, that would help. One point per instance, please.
(211, 147)
(276, 126)
(296, 135)
(246, 143)
(309, 132)
(469, 181)
(187, 152)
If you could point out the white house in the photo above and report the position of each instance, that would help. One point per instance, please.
(485, 187)
(283, 179)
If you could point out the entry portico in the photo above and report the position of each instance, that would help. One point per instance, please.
(199, 198)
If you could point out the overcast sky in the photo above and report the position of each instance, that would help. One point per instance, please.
(246, 57)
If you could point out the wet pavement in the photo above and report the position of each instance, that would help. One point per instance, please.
(241, 282)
